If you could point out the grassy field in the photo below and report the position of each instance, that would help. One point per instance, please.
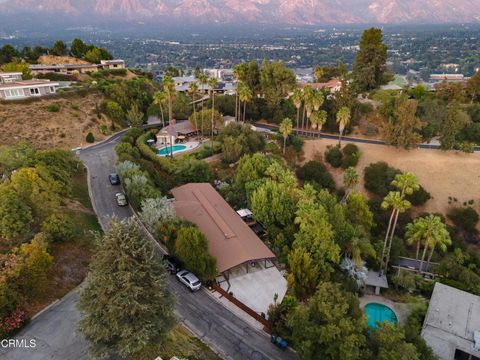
(182, 344)
(444, 174)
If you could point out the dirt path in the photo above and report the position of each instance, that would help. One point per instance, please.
(443, 174)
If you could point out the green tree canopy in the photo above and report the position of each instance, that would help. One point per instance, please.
(126, 304)
(388, 343)
(191, 248)
(276, 81)
(59, 48)
(18, 66)
(78, 48)
(403, 128)
(369, 70)
(330, 326)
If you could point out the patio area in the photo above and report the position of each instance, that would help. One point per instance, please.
(257, 287)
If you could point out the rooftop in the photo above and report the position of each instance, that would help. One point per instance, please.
(452, 318)
(230, 239)
(374, 279)
(180, 127)
(28, 83)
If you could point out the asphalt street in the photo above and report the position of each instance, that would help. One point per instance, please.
(55, 329)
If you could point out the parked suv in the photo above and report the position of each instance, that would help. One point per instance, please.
(189, 280)
(171, 264)
(114, 179)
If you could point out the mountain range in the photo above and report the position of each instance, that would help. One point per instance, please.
(281, 12)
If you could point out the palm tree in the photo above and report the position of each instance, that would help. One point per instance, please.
(407, 183)
(430, 231)
(169, 88)
(357, 246)
(286, 128)
(238, 73)
(397, 202)
(192, 90)
(160, 99)
(213, 84)
(350, 180)
(203, 80)
(245, 95)
(318, 119)
(308, 97)
(318, 100)
(343, 119)
(297, 99)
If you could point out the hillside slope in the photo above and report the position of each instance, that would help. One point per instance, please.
(32, 121)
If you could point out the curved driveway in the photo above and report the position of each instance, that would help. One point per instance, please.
(55, 328)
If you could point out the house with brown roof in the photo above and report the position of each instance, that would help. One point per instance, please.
(245, 264)
(333, 85)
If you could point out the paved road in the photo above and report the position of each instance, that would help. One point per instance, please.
(315, 134)
(55, 329)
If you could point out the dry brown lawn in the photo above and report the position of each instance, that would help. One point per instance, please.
(32, 122)
(53, 60)
(441, 173)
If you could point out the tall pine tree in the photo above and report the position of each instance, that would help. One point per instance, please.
(369, 70)
(126, 303)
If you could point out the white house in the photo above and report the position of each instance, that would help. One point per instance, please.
(12, 87)
(452, 325)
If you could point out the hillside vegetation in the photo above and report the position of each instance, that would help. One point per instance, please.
(62, 121)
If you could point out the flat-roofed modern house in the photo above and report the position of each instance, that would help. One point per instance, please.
(112, 64)
(69, 69)
(245, 264)
(12, 87)
(452, 325)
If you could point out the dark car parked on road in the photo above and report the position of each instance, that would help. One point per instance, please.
(172, 265)
(114, 179)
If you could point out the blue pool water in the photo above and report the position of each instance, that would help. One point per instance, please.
(175, 148)
(378, 312)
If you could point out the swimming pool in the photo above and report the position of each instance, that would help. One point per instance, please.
(175, 148)
(378, 312)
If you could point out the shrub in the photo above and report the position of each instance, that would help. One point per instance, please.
(273, 148)
(53, 108)
(58, 227)
(378, 178)
(419, 197)
(351, 155)
(334, 156)
(207, 151)
(90, 138)
(316, 173)
(465, 218)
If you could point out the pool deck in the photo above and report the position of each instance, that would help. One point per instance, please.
(401, 310)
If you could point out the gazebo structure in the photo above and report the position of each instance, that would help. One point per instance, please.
(376, 281)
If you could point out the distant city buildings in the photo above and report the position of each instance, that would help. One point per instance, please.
(13, 87)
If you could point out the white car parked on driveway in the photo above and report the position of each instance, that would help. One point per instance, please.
(189, 280)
